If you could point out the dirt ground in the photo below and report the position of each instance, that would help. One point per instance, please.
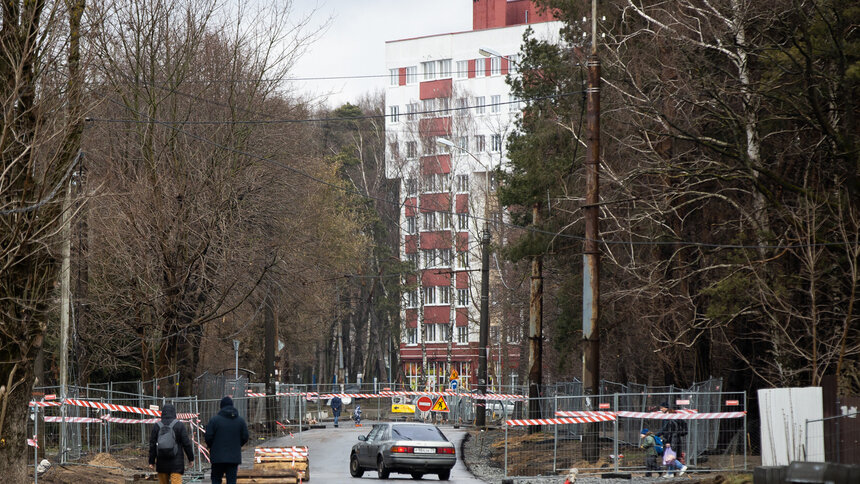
(114, 468)
(532, 455)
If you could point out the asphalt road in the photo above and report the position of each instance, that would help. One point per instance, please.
(329, 448)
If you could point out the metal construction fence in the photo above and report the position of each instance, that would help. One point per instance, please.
(708, 431)
(837, 439)
(114, 417)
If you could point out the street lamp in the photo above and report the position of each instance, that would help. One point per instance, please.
(484, 334)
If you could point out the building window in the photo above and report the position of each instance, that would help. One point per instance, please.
(495, 103)
(463, 180)
(411, 298)
(430, 295)
(413, 259)
(411, 183)
(411, 225)
(429, 332)
(444, 220)
(444, 295)
(495, 66)
(462, 334)
(444, 182)
(480, 105)
(514, 103)
(463, 259)
(429, 220)
(445, 259)
(513, 61)
(429, 257)
(480, 145)
(393, 77)
(462, 221)
(443, 105)
(394, 113)
(411, 110)
(463, 143)
(462, 103)
(443, 331)
(480, 67)
(444, 68)
(412, 336)
(496, 141)
(462, 297)
(429, 70)
(462, 70)
(411, 75)
(411, 149)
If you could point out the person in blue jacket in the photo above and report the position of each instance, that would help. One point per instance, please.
(226, 433)
(336, 407)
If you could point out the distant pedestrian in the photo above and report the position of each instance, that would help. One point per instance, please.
(336, 407)
(167, 441)
(356, 415)
(648, 444)
(226, 433)
(673, 431)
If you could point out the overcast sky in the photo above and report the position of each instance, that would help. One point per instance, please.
(354, 43)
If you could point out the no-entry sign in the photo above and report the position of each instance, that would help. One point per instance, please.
(424, 404)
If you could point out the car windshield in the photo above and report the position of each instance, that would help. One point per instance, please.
(417, 432)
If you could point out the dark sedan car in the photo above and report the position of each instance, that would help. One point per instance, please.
(405, 448)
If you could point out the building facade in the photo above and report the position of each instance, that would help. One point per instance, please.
(449, 114)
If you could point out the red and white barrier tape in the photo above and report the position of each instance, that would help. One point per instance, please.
(34, 442)
(388, 394)
(558, 421)
(53, 419)
(111, 407)
(681, 416)
(567, 413)
(295, 452)
(45, 404)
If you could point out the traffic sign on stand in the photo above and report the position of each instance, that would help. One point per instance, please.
(424, 404)
(454, 375)
(453, 384)
(440, 405)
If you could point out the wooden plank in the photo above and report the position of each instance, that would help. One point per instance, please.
(267, 480)
(267, 473)
(299, 466)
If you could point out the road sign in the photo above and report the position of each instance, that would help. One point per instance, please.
(454, 375)
(424, 403)
(732, 403)
(402, 408)
(440, 405)
(604, 406)
(453, 384)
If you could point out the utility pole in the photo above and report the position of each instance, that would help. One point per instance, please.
(484, 336)
(535, 332)
(591, 255)
(65, 303)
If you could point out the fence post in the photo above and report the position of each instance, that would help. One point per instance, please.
(110, 400)
(615, 432)
(746, 409)
(555, 435)
(140, 404)
(506, 450)
(805, 439)
(197, 430)
(36, 447)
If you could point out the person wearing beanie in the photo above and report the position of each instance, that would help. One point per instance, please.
(648, 444)
(226, 433)
(169, 462)
(673, 431)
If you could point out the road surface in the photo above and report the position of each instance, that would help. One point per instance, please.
(329, 448)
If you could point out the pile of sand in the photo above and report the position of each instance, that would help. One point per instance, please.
(104, 460)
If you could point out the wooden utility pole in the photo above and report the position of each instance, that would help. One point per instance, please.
(484, 335)
(591, 256)
(535, 332)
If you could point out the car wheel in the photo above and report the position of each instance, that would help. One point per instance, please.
(355, 470)
(381, 469)
(445, 475)
(417, 476)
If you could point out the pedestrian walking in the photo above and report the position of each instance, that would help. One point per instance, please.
(226, 433)
(356, 415)
(167, 441)
(649, 445)
(336, 407)
(673, 431)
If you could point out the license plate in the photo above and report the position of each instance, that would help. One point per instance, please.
(424, 450)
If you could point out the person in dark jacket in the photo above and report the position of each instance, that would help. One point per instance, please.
(170, 469)
(226, 433)
(673, 431)
(336, 407)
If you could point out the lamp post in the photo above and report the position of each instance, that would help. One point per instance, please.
(484, 333)
(236, 351)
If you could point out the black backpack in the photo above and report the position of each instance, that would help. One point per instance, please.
(167, 446)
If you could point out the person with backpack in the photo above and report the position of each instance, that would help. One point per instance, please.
(167, 441)
(226, 433)
(336, 407)
(653, 447)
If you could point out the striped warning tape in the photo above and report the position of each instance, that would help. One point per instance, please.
(587, 413)
(559, 421)
(297, 452)
(388, 394)
(34, 442)
(681, 416)
(108, 418)
(53, 419)
(110, 406)
(45, 404)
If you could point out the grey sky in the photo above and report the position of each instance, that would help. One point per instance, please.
(354, 43)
